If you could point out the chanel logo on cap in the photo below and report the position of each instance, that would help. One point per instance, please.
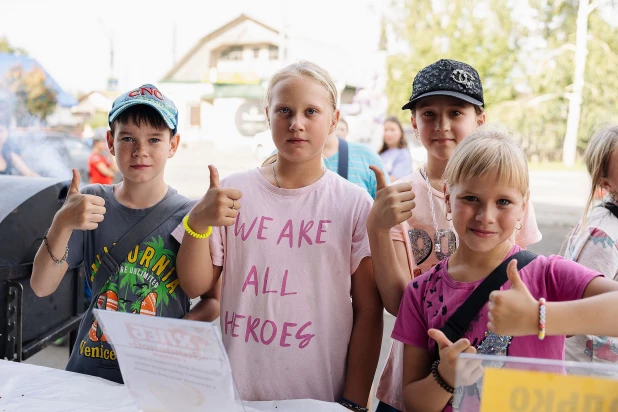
(462, 77)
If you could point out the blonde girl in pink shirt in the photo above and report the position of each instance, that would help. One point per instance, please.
(301, 315)
(487, 192)
(407, 226)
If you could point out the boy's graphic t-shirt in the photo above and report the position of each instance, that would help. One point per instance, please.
(146, 283)
(286, 312)
(419, 236)
(596, 247)
(433, 297)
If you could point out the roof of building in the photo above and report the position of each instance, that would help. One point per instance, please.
(240, 19)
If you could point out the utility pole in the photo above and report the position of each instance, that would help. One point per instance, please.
(174, 44)
(112, 81)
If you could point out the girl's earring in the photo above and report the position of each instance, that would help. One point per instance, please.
(518, 228)
(449, 217)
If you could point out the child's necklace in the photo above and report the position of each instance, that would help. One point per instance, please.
(440, 233)
(275, 175)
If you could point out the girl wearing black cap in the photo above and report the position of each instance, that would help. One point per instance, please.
(408, 227)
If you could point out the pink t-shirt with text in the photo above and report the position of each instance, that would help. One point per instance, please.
(286, 312)
(433, 297)
(418, 235)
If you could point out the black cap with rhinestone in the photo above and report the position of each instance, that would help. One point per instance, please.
(447, 78)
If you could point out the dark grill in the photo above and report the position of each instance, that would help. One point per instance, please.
(29, 323)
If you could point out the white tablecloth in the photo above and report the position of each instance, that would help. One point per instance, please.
(31, 388)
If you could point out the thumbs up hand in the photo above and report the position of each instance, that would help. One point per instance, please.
(80, 211)
(513, 312)
(467, 370)
(393, 204)
(218, 207)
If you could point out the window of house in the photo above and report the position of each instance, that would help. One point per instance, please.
(256, 53)
(232, 53)
(196, 115)
(273, 52)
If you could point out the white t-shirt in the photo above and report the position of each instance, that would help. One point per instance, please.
(595, 246)
(286, 311)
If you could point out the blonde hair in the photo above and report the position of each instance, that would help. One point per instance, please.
(489, 151)
(597, 158)
(306, 69)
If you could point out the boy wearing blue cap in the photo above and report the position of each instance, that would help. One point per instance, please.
(122, 232)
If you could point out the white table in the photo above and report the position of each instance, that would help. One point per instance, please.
(31, 388)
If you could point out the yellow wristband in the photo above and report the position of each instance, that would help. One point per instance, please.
(185, 224)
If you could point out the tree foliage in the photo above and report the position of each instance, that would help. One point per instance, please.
(5, 47)
(524, 56)
(31, 95)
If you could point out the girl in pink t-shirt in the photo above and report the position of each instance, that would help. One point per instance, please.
(301, 315)
(486, 196)
(407, 228)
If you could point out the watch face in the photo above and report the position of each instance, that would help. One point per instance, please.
(250, 118)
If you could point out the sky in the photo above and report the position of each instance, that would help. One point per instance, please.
(71, 38)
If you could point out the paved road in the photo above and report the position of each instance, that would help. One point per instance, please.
(558, 197)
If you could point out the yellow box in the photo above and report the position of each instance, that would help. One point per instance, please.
(508, 390)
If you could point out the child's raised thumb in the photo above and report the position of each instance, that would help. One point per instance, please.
(513, 275)
(440, 338)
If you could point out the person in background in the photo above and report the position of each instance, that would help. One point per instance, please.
(100, 166)
(342, 129)
(394, 152)
(11, 162)
(593, 241)
(355, 166)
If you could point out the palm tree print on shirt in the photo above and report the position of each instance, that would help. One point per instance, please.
(137, 280)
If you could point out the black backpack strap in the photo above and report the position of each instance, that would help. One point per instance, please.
(458, 323)
(342, 167)
(611, 207)
(110, 262)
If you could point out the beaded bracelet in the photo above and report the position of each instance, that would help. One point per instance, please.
(56, 261)
(191, 232)
(351, 405)
(438, 378)
(542, 310)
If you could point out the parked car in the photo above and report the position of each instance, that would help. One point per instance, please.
(52, 154)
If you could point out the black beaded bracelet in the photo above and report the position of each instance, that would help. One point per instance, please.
(351, 405)
(438, 378)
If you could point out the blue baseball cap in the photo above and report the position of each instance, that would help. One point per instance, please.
(151, 96)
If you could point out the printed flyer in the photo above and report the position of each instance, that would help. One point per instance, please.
(171, 364)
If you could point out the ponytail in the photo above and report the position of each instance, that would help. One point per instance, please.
(270, 160)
